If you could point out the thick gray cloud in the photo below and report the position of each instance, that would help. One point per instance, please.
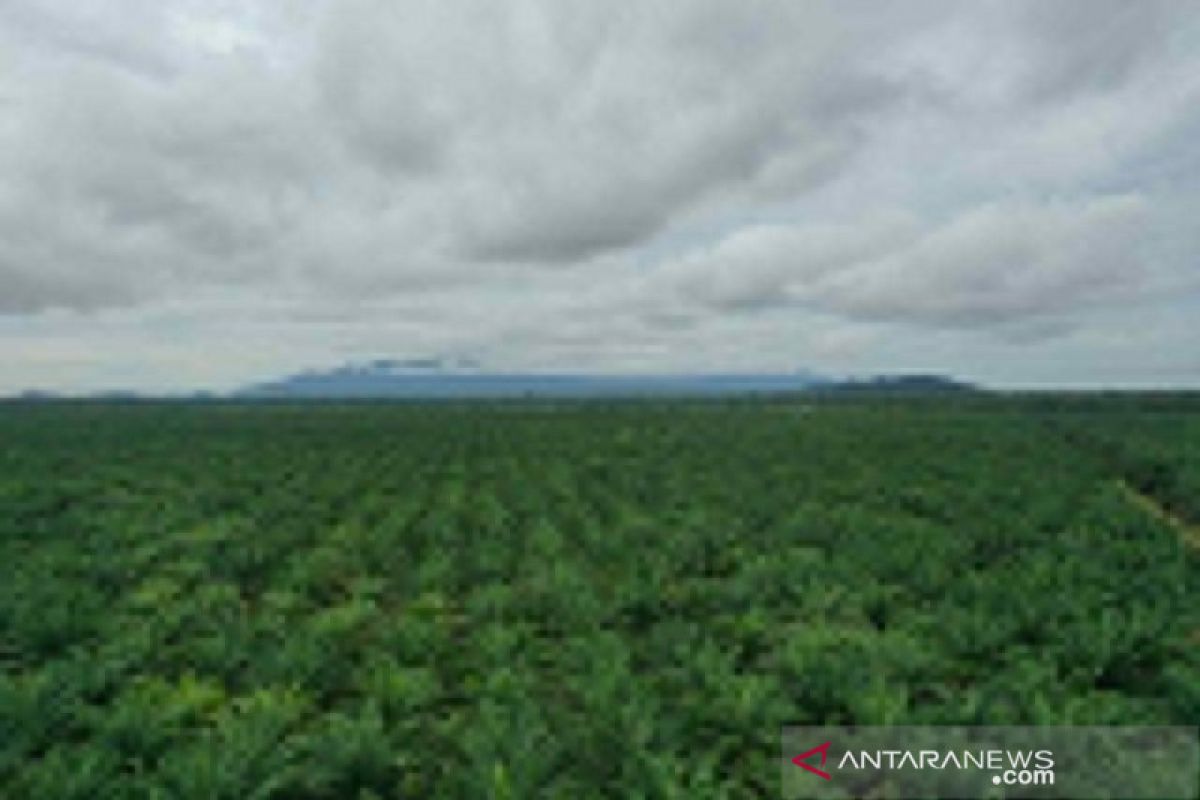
(589, 184)
(991, 264)
(1107, 41)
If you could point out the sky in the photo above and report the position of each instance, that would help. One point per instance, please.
(200, 194)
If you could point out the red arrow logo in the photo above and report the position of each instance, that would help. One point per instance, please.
(801, 760)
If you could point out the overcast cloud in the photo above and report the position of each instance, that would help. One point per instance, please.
(199, 194)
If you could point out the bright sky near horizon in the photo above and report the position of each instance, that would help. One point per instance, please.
(199, 194)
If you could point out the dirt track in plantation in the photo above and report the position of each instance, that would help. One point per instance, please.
(1190, 534)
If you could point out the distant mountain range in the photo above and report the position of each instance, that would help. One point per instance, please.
(434, 378)
(460, 379)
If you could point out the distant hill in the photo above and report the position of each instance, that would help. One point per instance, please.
(35, 395)
(901, 384)
(461, 378)
(417, 378)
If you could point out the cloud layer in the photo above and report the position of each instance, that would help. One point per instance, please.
(980, 187)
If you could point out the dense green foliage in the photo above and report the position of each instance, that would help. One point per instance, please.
(519, 600)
